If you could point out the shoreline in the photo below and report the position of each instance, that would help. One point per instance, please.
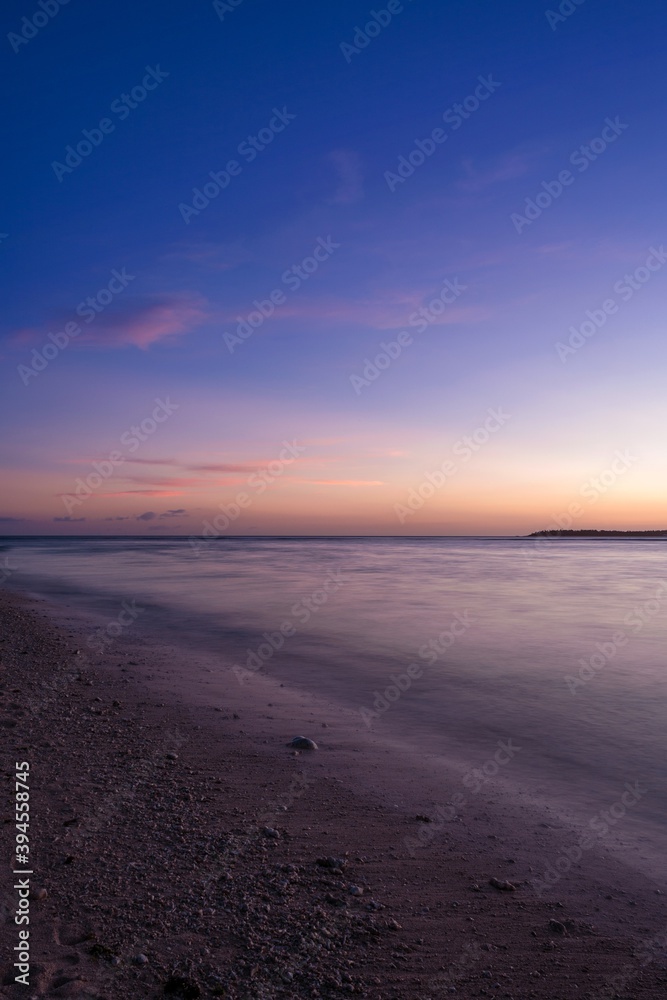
(149, 830)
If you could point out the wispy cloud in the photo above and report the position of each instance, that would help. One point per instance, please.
(151, 482)
(143, 493)
(386, 311)
(224, 467)
(347, 164)
(137, 322)
(506, 168)
(212, 256)
(144, 322)
(340, 482)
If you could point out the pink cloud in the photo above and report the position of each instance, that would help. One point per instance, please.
(224, 467)
(167, 481)
(26, 335)
(340, 482)
(137, 322)
(143, 493)
(145, 322)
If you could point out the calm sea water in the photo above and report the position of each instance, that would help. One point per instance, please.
(559, 645)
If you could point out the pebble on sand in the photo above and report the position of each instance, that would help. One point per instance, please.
(302, 743)
(179, 987)
(502, 884)
(331, 862)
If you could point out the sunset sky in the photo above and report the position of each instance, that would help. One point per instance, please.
(498, 167)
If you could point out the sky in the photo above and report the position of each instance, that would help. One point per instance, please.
(332, 269)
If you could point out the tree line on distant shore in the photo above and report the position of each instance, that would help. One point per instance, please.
(597, 533)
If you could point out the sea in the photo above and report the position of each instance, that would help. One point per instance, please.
(539, 661)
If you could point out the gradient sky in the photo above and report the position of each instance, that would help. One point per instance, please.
(224, 71)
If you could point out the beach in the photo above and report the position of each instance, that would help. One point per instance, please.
(180, 847)
(333, 591)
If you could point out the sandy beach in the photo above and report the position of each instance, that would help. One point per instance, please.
(181, 849)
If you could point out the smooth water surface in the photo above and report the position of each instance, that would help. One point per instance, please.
(557, 644)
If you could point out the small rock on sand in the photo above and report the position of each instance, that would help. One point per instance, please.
(502, 884)
(302, 743)
(331, 862)
(177, 986)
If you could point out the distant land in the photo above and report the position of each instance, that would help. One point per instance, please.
(595, 533)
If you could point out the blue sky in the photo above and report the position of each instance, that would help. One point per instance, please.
(346, 119)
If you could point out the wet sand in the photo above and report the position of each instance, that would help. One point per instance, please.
(178, 837)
